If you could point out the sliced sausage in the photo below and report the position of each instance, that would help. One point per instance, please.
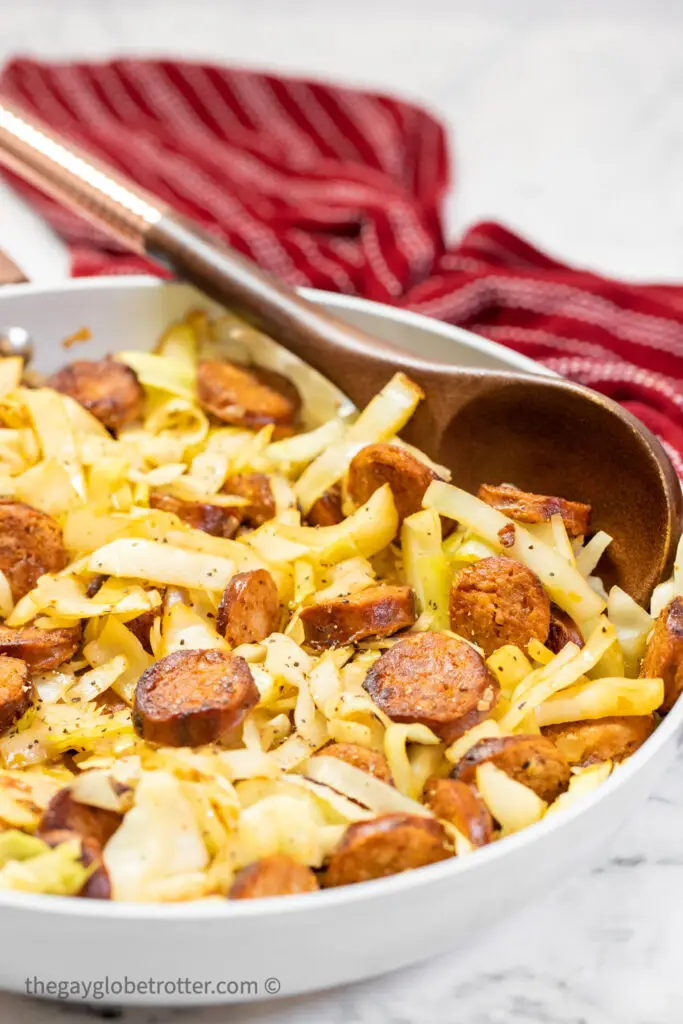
(98, 885)
(376, 611)
(327, 510)
(250, 608)
(460, 804)
(109, 702)
(602, 739)
(537, 508)
(65, 813)
(534, 761)
(141, 627)
(109, 390)
(248, 398)
(664, 653)
(95, 584)
(31, 544)
(499, 601)
(434, 679)
(190, 698)
(367, 760)
(277, 875)
(385, 846)
(255, 487)
(16, 691)
(212, 519)
(379, 464)
(41, 649)
(563, 630)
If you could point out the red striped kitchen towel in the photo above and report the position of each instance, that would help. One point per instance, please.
(342, 189)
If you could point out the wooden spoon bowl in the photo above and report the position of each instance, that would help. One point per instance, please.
(541, 433)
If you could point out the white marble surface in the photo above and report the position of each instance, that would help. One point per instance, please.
(567, 125)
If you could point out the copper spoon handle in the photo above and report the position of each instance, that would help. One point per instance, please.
(145, 224)
(10, 273)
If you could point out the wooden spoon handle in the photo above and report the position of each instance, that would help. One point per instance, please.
(356, 362)
(9, 271)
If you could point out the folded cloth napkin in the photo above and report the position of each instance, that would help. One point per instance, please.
(342, 189)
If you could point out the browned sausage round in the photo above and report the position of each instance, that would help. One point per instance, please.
(255, 487)
(537, 508)
(109, 702)
(30, 545)
(277, 875)
(499, 601)
(141, 627)
(98, 885)
(327, 510)
(41, 649)
(190, 698)
(602, 739)
(664, 654)
(249, 398)
(212, 519)
(376, 611)
(435, 679)
(16, 691)
(250, 608)
(370, 761)
(385, 846)
(534, 761)
(563, 630)
(109, 390)
(460, 804)
(65, 813)
(95, 584)
(379, 464)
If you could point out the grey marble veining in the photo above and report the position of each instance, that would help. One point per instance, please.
(567, 125)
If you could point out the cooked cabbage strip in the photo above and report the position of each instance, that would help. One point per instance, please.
(174, 376)
(66, 596)
(426, 567)
(55, 432)
(158, 839)
(566, 667)
(633, 625)
(366, 532)
(94, 682)
(183, 629)
(511, 804)
(601, 698)
(360, 786)
(583, 781)
(488, 729)
(385, 415)
(589, 556)
(396, 740)
(160, 563)
(302, 448)
(58, 871)
(116, 639)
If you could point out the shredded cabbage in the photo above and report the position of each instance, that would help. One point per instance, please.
(193, 817)
(426, 566)
(511, 804)
(58, 872)
(385, 415)
(563, 581)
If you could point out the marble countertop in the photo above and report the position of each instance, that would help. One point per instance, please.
(566, 125)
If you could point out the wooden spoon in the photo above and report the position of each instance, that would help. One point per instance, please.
(542, 434)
